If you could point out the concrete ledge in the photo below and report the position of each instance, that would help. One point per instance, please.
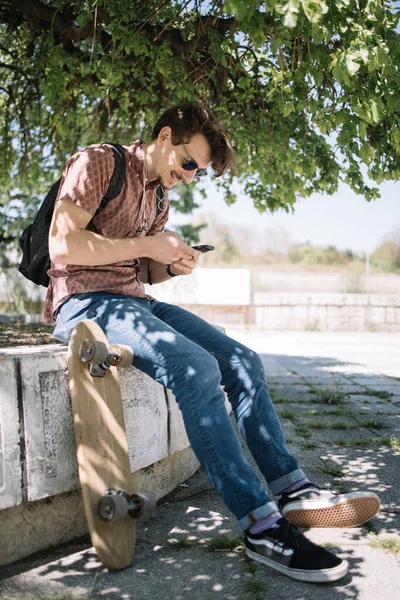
(310, 312)
(40, 501)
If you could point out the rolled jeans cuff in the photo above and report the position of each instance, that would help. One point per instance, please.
(285, 481)
(256, 515)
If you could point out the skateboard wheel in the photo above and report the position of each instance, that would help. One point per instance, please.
(121, 355)
(93, 351)
(145, 506)
(112, 508)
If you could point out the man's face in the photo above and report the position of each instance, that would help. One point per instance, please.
(169, 169)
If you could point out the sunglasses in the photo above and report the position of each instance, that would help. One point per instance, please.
(190, 165)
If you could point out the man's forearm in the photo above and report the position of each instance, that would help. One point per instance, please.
(158, 272)
(86, 248)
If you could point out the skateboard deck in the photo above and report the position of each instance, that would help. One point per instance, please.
(102, 446)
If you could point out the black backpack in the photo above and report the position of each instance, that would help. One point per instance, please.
(34, 240)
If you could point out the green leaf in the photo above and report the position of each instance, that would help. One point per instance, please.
(319, 78)
(291, 11)
(287, 109)
(362, 128)
(366, 153)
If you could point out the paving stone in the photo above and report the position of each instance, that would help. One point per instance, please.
(284, 380)
(374, 402)
(294, 392)
(374, 380)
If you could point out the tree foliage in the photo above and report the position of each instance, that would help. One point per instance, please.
(309, 90)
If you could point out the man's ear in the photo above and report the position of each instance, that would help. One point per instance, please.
(165, 135)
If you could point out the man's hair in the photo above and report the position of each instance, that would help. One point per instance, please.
(187, 119)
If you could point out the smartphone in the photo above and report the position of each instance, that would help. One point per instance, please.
(204, 248)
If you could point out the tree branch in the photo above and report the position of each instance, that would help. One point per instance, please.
(41, 16)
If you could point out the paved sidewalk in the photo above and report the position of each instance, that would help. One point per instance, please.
(338, 396)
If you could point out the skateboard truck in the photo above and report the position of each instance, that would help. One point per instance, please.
(100, 357)
(117, 504)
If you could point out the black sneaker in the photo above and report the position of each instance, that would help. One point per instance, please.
(311, 506)
(285, 549)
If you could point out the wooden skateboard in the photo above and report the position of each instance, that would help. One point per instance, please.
(102, 445)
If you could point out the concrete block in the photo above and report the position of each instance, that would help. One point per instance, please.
(376, 314)
(300, 312)
(266, 299)
(384, 300)
(286, 312)
(355, 299)
(390, 314)
(11, 492)
(49, 436)
(177, 433)
(50, 443)
(146, 422)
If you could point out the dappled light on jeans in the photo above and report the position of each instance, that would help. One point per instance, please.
(196, 370)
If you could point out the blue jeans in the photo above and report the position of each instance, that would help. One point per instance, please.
(193, 359)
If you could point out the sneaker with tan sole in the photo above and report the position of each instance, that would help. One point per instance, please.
(311, 506)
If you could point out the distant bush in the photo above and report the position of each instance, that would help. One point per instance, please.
(308, 254)
(387, 257)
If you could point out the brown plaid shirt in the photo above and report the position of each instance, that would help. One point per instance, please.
(85, 181)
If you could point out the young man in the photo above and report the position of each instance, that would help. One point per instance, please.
(99, 266)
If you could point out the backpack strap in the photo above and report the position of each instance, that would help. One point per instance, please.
(117, 179)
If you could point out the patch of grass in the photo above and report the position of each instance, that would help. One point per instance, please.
(226, 542)
(250, 565)
(382, 394)
(303, 431)
(255, 586)
(331, 396)
(388, 442)
(372, 424)
(343, 425)
(342, 487)
(391, 442)
(329, 545)
(331, 468)
(354, 443)
(312, 325)
(279, 400)
(287, 414)
(386, 543)
(312, 391)
(310, 445)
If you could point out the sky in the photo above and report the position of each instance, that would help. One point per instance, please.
(344, 220)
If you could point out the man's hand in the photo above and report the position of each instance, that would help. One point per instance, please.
(185, 266)
(168, 248)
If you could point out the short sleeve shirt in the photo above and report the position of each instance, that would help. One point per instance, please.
(85, 181)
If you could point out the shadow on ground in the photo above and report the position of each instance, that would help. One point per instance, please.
(342, 423)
